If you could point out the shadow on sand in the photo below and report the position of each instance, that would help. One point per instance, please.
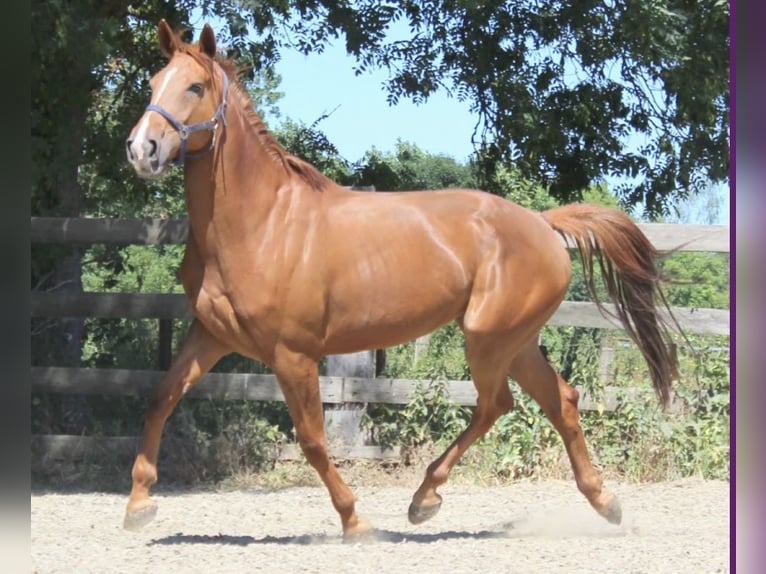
(385, 536)
(527, 527)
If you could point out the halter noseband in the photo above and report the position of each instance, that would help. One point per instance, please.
(185, 131)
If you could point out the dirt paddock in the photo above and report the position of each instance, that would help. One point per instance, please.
(668, 528)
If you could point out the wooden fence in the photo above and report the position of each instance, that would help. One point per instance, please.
(340, 387)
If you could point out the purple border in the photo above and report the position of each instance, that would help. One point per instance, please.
(732, 287)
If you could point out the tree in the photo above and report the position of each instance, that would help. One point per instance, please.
(82, 98)
(409, 168)
(311, 144)
(73, 45)
(562, 89)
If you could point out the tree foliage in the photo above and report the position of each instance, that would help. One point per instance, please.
(410, 168)
(563, 90)
(312, 144)
(699, 280)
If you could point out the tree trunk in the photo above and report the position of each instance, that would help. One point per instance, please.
(59, 130)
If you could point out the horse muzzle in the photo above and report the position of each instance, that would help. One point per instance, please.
(148, 156)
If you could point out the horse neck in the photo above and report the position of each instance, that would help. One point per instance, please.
(239, 175)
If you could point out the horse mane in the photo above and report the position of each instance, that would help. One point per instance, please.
(291, 163)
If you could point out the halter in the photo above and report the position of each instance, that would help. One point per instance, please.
(185, 131)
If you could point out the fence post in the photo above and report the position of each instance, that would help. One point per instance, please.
(342, 420)
(421, 347)
(605, 364)
(165, 344)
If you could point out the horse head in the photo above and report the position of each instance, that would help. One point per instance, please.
(187, 106)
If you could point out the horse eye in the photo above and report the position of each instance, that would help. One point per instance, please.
(196, 89)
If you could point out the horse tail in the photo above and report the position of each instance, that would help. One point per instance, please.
(628, 264)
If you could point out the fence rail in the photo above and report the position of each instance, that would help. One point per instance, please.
(148, 231)
(76, 447)
(259, 387)
(170, 306)
(336, 390)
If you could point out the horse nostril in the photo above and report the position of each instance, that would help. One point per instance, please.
(129, 145)
(153, 150)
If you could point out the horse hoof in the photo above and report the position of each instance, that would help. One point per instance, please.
(136, 519)
(613, 511)
(419, 514)
(361, 532)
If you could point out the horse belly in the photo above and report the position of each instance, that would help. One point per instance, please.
(392, 310)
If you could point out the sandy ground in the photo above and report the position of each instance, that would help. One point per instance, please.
(528, 527)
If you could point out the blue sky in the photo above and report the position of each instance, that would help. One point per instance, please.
(361, 117)
(318, 84)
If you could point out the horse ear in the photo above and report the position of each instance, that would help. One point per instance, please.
(167, 38)
(207, 41)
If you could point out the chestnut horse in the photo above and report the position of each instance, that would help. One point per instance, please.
(285, 266)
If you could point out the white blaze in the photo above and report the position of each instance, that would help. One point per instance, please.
(163, 87)
(137, 147)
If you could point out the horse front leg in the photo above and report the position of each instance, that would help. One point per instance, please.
(199, 352)
(298, 378)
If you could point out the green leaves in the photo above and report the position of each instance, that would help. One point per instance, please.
(564, 91)
(410, 168)
(311, 144)
(429, 418)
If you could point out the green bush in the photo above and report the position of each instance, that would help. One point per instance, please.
(636, 441)
(429, 418)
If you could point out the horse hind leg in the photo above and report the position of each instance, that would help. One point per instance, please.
(488, 370)
(199, 352)
(558, 401)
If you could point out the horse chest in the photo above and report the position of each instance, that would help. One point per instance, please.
(243, 322)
